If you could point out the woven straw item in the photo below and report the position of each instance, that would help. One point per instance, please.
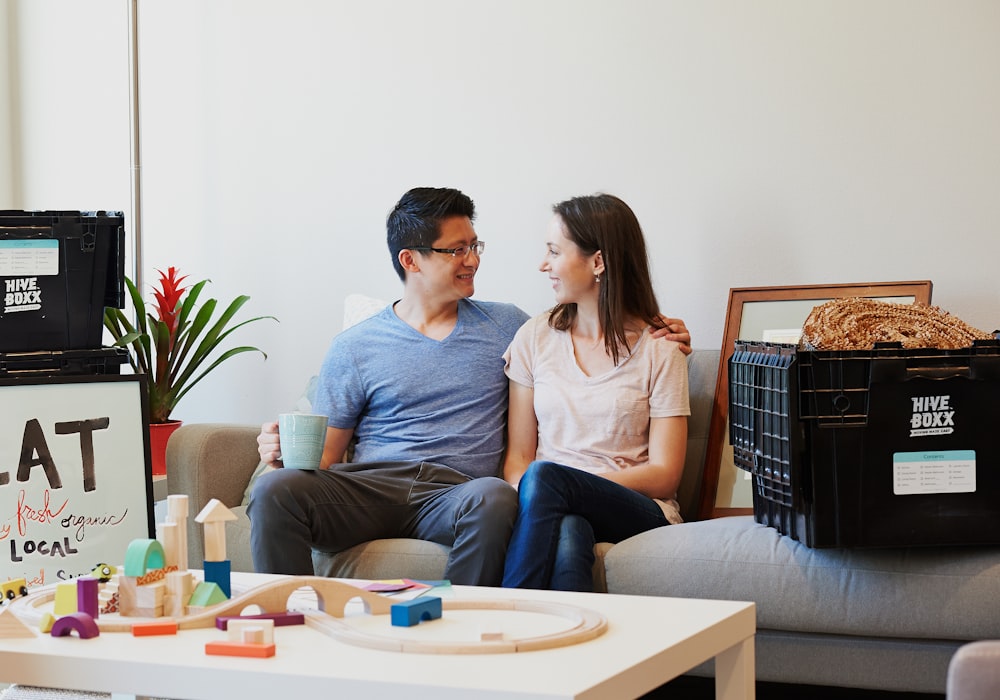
(857, 324)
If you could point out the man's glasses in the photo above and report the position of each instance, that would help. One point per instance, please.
(478, 247)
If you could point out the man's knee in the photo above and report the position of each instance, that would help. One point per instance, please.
(492, 499)
(272, 489)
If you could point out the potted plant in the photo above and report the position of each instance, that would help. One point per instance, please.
(172, 343)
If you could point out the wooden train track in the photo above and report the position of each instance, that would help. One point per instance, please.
(332, 598)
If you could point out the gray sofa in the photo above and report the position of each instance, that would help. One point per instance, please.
(882, 619)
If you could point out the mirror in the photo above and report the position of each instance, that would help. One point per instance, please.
(772, 314)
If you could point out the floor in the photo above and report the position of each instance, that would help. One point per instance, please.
(694, 688)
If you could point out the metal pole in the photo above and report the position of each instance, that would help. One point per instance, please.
(136, 156)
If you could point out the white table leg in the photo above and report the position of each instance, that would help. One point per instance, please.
(734, 672)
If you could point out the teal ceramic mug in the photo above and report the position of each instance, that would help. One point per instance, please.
(301, 437)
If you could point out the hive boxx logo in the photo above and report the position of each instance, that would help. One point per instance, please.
(932, 415)
(21, 294)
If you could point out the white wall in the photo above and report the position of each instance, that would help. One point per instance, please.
(769, 142)
(7, 92)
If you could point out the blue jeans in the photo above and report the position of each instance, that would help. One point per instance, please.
(562, 511)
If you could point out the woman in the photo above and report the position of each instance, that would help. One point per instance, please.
(597, 426)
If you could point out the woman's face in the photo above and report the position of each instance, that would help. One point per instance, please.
(572, 273)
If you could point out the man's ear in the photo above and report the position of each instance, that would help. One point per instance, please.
(408, 260)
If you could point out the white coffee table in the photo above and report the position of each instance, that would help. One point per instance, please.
(648, 641)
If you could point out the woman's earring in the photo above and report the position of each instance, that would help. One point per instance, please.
(597, 279)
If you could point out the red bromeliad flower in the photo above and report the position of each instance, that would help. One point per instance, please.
(168, 298)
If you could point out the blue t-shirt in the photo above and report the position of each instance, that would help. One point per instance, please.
(411, 398)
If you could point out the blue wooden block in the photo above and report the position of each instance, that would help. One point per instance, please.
(219, 572)
(412, 612)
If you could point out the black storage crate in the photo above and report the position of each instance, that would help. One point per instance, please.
(62, 362)
(876, 448)
(58, 271)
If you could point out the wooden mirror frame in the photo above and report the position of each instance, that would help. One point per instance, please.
(920, 291)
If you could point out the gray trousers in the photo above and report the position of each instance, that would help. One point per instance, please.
(294, 511)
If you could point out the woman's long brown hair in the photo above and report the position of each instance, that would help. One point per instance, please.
(603, 222)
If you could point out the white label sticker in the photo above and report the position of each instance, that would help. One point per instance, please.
(952, 471)
(35, 258)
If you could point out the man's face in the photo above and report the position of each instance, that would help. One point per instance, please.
(450, 274)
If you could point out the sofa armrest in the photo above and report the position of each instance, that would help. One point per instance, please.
(211, 460)
(974, 672)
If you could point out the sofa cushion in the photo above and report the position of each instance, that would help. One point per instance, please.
(918, 592)
(404, 558)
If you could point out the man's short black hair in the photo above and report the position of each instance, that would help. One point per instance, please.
(415, 220)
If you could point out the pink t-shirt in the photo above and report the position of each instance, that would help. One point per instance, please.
(598, 423)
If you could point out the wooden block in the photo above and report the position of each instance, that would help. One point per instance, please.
(179, 584)
(177, 508)
(239, 649)
(252, 635)
(148, 612)
(213, 517)
(11, 627)
(86, 595)
(150, 596)
(110, 604)
(168, 534)
(45, 625)
(279, 619)
(412, 612)
(126, 594)
(66, 598)
(206, 594)
(236, 629)
(219, 573)
(143, 555)
(79, 622)
(154, 627)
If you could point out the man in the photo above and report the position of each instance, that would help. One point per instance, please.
(421, 388)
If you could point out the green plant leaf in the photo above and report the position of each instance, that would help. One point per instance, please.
(175, 362)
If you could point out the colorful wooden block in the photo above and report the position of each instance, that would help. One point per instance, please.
(79, 622)
(86, 595)
(154, 627)
(219, 572)
(207, 593)
(45, 624)
(143, 555)
(412, 612)
(279, 619)
(66, 598)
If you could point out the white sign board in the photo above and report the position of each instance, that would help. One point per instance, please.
(75, 481)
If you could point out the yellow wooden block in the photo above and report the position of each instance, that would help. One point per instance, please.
(45, 625)
(65, 603)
